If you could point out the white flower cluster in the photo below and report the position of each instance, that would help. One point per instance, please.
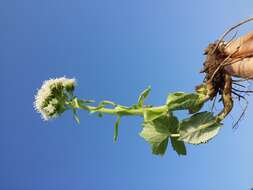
(50, 98)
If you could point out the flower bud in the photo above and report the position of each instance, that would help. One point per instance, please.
(50, 100)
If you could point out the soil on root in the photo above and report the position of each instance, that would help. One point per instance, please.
(217, 80)
(215, 74)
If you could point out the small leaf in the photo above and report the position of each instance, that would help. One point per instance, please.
(78, 104)
(100, 115)
(134, 106)
(101, 105)
(116, 129)
(178, 146)
(76, 116)
(160, 148)
(143, 96)
(123, 110)
(199, 128)
(85, 101)
(95, 110)
(107, 102)
(77, 119)
(123, 107)
(181, 101)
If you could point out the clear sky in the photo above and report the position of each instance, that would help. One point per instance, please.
(115, 49)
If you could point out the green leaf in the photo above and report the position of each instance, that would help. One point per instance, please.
(100, 115)
(181, 101)
(85, 101)
(150, 115)
(76, 116)
(134, 106)
(122, 110)
(157, 131)
(178, 146)
(160, 148)
(202, 89)
(195, 108)
(79, 103)
(76, 103)
(199, 128)
(202, 92)
(102, 104)
(143, 96)
(107, 102)
(116, 129)
(154, 133)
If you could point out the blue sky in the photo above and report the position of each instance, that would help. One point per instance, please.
(115, 49)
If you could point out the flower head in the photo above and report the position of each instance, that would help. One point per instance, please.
(50, 100)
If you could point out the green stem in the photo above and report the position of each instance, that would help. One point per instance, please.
(120, 110)
(126, 112)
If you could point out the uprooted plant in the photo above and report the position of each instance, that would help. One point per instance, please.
(160, 125)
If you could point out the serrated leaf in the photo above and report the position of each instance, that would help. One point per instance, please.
(160, 148)
(199, 128)
(166, 123)
(181, 101)
(154, 134)
(116, 129)
(143, 96)
(160, 128)
(157, 131)
(178, 146)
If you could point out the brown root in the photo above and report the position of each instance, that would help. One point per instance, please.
(214, 79)
(226, 97)
(218, 81)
